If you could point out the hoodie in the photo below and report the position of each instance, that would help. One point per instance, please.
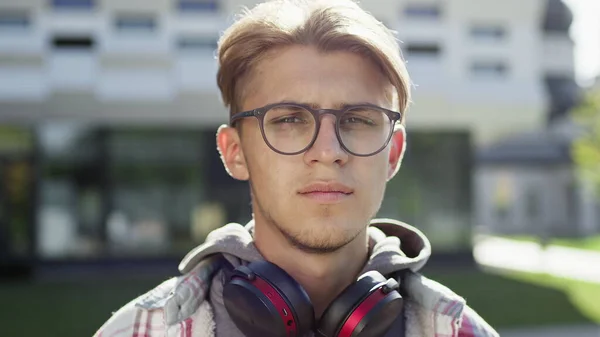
(236, 244)
(191, 305)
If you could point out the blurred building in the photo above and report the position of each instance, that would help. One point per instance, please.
(108, 111)
(527, 184)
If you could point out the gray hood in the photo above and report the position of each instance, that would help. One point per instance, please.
(394, 246)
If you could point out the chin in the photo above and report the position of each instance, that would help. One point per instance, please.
(321, 236)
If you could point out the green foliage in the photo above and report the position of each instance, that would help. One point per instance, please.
(586, 149)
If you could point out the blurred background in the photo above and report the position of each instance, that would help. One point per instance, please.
(109, 172)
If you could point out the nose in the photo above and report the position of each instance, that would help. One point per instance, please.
(327, 148)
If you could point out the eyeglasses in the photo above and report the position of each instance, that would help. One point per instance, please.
(290, 129)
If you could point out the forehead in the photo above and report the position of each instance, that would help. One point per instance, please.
(322, 79)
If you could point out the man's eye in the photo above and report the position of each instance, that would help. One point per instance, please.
(288, 119)
(357, 120)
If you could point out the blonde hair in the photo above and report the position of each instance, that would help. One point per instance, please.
(328, 25)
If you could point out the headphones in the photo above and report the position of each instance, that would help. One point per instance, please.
(264, 301)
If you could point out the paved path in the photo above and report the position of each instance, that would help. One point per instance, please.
(572, 263)
(561, 331)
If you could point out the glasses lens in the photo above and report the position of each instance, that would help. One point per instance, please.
(364, 130)
(289, 128)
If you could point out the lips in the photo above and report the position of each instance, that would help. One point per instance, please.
(326, 188)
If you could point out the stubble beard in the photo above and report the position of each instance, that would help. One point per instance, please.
(306, 241)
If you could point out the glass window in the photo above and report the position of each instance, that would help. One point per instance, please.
(74, 42)
(198, 5)
(70, 191)
(127, 191)
(14, 20)
(138, 23)
(157, 184)
(489, 69)
(504, 191)
(197, 43)
(481, 32)
(16, 192)
(73, 4)
(533, 205)
(432, 189)
(420, 50)
(430, 11)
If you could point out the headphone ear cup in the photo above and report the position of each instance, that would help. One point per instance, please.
(366, 308)
(263, 300)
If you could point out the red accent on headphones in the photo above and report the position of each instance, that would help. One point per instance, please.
(264, 301)
(359, 313)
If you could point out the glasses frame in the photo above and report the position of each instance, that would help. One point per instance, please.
(259, 113)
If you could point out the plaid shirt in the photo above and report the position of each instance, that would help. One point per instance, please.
(178, 308)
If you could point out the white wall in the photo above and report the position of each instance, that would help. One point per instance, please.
(138, 66)
(490, 105)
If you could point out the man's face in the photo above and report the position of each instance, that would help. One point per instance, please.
(319, 221)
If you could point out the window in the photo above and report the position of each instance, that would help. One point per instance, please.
(73, 4)
(489, 69)
(435, 181)
(571, 213)
(17, 173)
(198, 5)
(533, 206)
(423, 50)
(487, 32)
(73, 43)
(71, 183)
(14, 20)
(122, 191)
(423, 11)
(502, 200)
(139, 23)
(197, 43)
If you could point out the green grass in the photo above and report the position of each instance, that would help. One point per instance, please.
(64, 309)
(510, 302)
(79, 308)
(584, 295)
(589, 243)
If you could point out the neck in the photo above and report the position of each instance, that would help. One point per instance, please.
(323, 276)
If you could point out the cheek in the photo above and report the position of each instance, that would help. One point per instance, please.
(270, 171)
(268, 168)
(256, 151)
(374, 173)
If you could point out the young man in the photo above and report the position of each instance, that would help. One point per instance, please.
(317, 92)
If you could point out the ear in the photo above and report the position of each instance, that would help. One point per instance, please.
(232, 154)
(396, 154)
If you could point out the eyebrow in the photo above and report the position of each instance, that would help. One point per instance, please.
(316, 106)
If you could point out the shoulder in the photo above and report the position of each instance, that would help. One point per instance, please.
(133, 319)
(170, 309)
(473, 325)
(449, 313)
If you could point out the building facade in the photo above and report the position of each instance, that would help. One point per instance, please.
(527, 184)
(108, 111)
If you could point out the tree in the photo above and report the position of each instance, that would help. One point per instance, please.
(586, 148)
